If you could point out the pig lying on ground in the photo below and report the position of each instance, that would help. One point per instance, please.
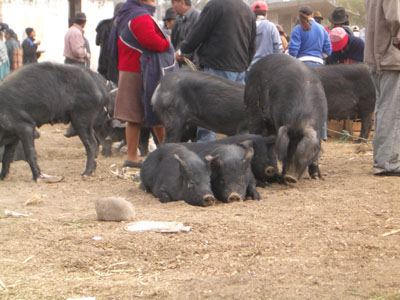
(190, 98)
(231, 175)
(283, 97)
(48, 93)
(350, 93)
(263, 164)
(173, 173)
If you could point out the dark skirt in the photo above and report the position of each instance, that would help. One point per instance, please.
(128, 104)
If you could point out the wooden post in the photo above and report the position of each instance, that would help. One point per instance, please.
(74, 7)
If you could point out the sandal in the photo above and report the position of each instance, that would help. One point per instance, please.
(131, 164)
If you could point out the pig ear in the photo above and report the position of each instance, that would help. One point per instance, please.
(213, 161)
(246, 144)
(184, 167)
(248, 156)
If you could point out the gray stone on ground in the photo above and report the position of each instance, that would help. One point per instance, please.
(114, 209)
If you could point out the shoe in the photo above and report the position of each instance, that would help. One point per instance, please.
(382, 172)
(131, 164)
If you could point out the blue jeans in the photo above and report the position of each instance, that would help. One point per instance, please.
(324, 132)
(205, 135)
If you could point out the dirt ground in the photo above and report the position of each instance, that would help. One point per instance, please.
(320, 239)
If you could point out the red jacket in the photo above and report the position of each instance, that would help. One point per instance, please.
(149, 36)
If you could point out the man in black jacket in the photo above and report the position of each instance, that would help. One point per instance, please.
(30, 54)
(225, 37)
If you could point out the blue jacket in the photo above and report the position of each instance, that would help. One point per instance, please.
(310, 43)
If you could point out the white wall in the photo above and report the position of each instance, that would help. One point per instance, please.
(50, 21)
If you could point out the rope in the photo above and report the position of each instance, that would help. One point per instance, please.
(345, 135)
(189, 63)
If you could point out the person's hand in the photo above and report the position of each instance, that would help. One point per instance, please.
(179, 55)
(87, 56)
(38, 43)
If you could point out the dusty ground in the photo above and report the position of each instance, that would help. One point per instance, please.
(318, 240)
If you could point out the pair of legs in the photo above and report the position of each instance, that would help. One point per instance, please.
(387, 122)
(132, 132)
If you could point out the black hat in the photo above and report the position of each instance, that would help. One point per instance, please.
(338, 16)
(305, 10)
(169, 14)
(80, 16)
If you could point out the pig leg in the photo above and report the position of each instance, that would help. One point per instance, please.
(366, 125)
(252, 192)
(8, 155)
(87, 137)
(162, 195)
(28, 144)
(313, 171)
(144, 141)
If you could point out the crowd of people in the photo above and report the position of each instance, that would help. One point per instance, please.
(226, 38)
(12, 54)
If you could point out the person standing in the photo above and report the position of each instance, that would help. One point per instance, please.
(188, 15)
(224, 37)
(4, 61)
(268, 40)
(382, 54)
(339, 18)
(75, 50)
(318, 18)
(309, 41)
(169, 21)
(108, 65)
(14, 49)
(144, 55)
(30, 53)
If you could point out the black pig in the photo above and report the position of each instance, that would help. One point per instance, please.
(45, 93)
(190, 98)
(283, 97)
(231, 175)
(173, 173)
(350, 93)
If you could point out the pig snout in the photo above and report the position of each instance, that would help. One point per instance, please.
(208, 200)
(234, 197)
(270, 171)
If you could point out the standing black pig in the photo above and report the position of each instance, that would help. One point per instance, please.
(284, 97)
(173, 173)
(350, 93)
(231, 175)
(190, 98)
(45, 93)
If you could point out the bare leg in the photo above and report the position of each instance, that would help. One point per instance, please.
(132, 133)
(159, 131)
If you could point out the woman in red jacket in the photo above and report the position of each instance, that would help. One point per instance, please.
(141, 46)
